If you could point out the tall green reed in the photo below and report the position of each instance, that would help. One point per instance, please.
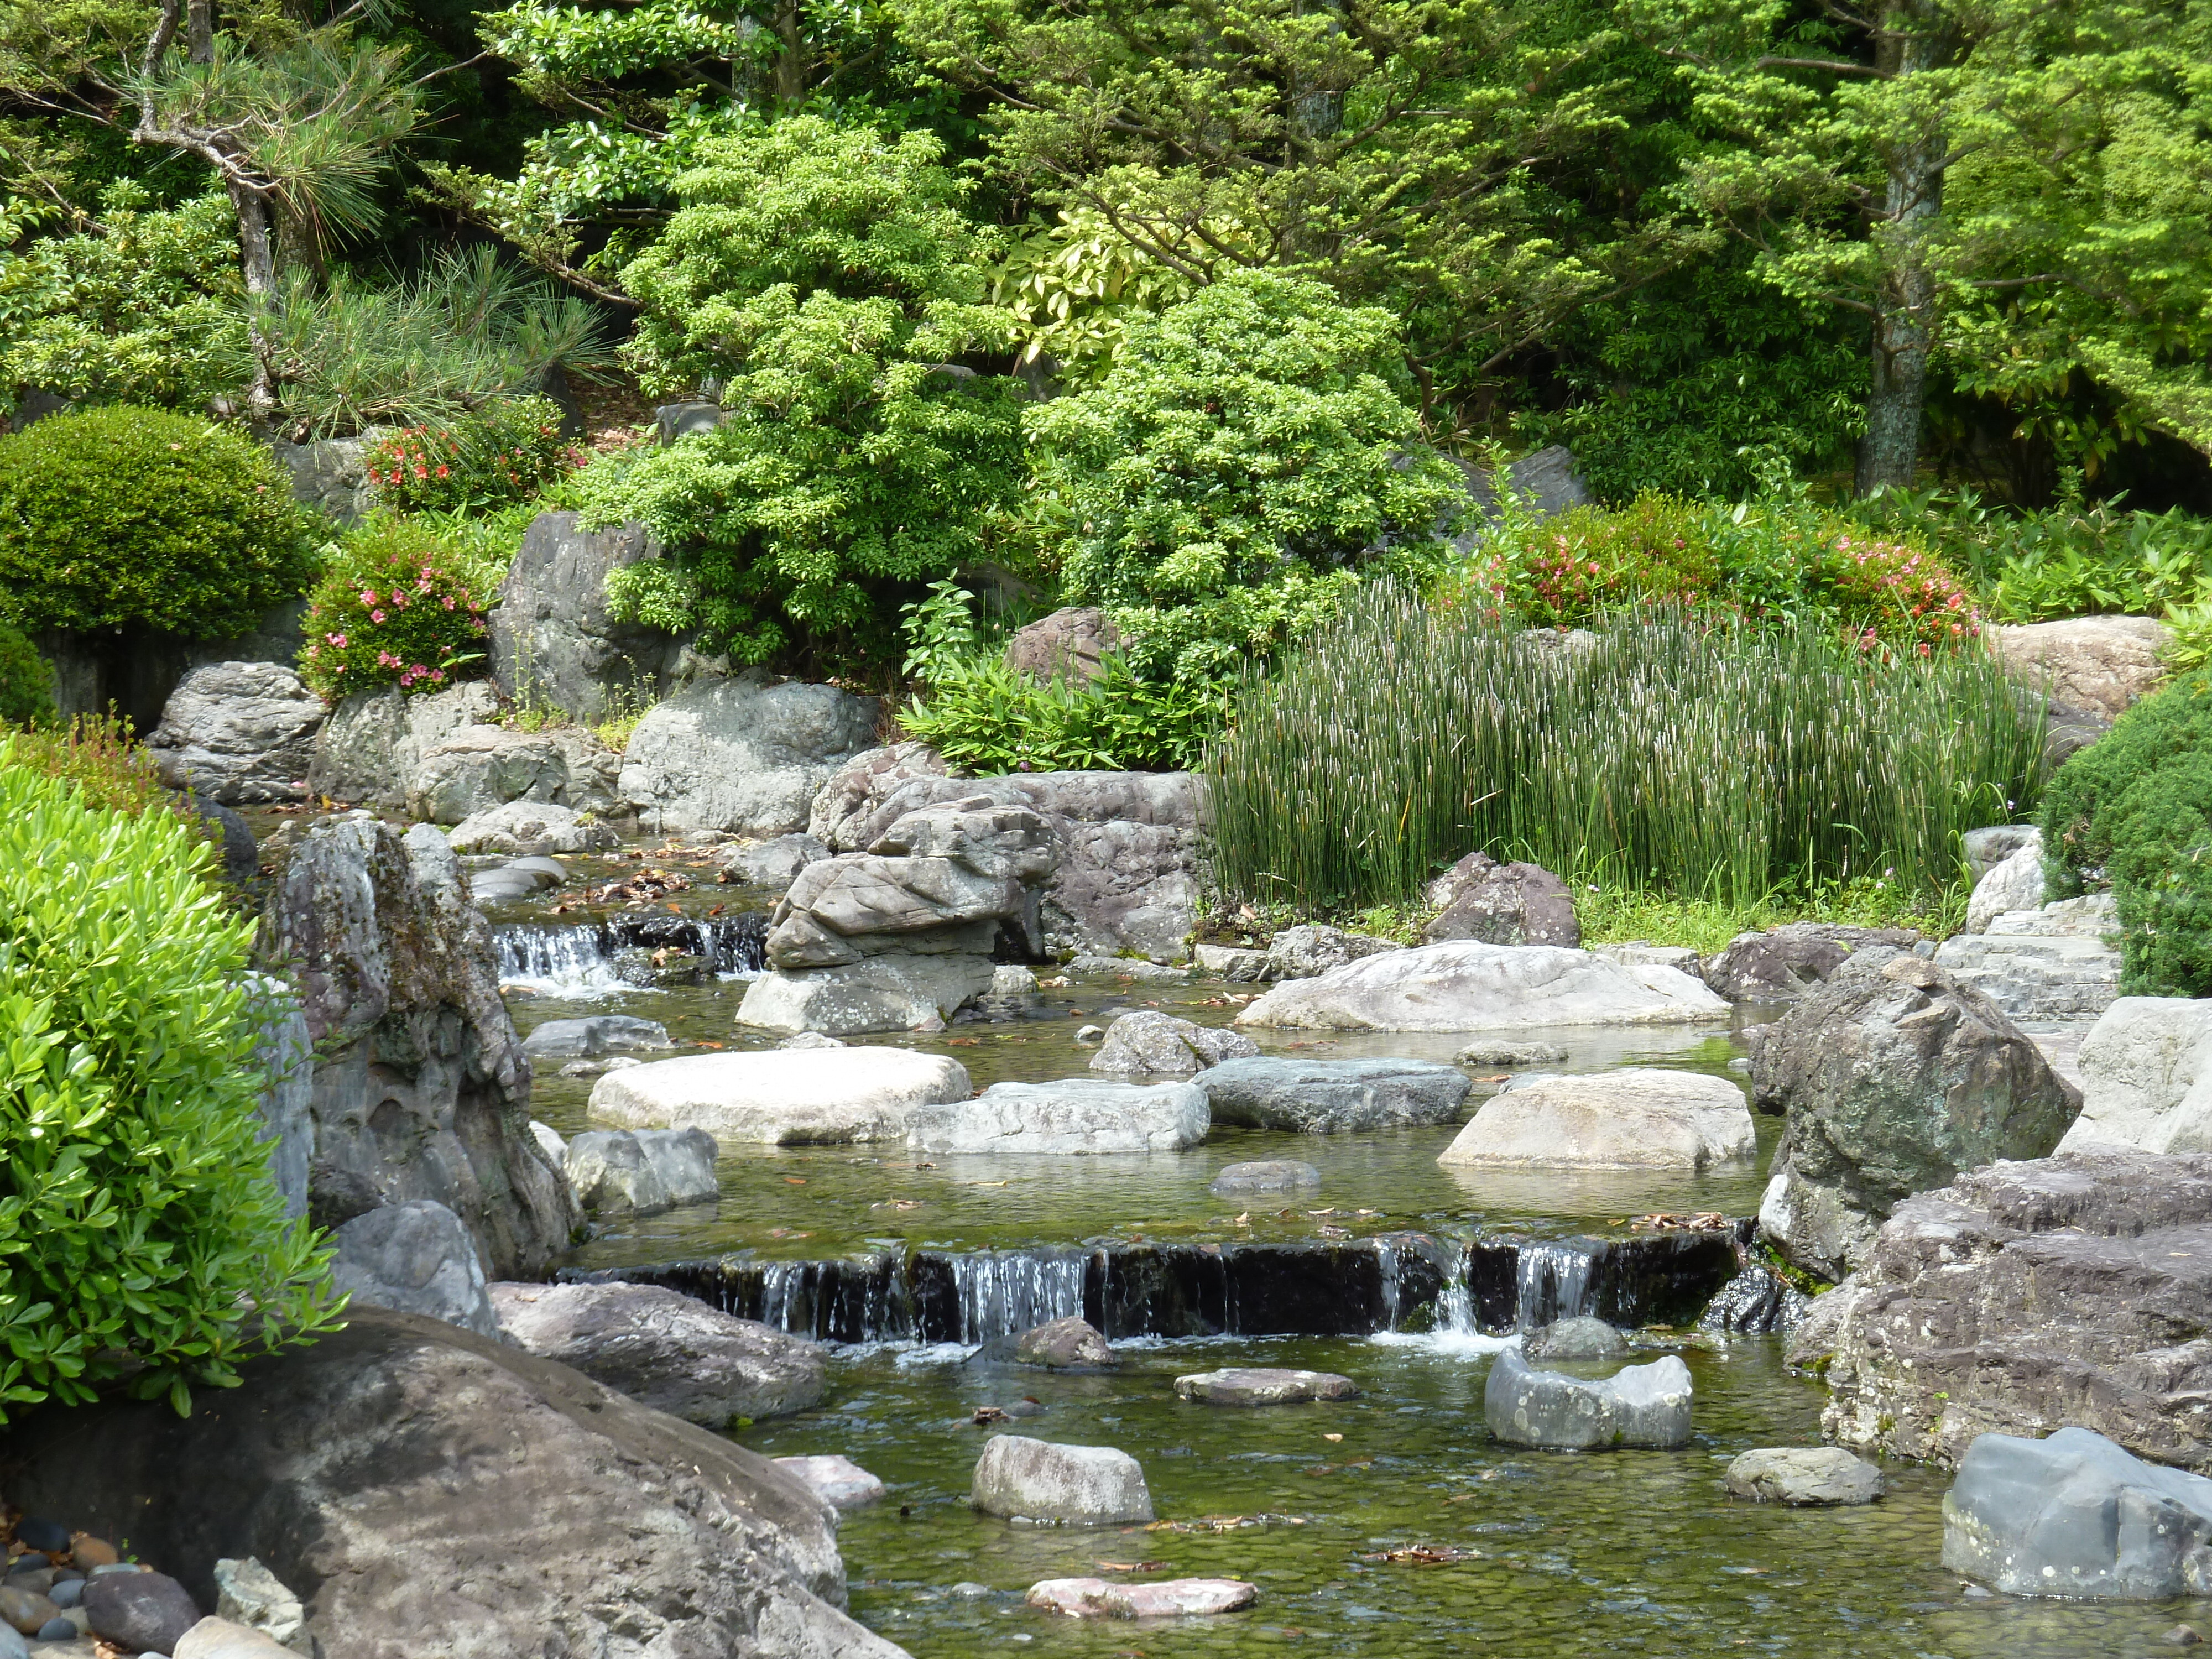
(1725, 763)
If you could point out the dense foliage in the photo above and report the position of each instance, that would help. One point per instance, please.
(1677, 755)
(986, 718)
(506, 450)
(123, 515)
(393, 609)
(2134, 810)
(143, 1238)
(26, 696)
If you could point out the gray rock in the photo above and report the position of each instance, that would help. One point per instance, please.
(837, 1481)
(1544, 483)
(285, 1051)
(743, 754)
(1072, 643)
(1071, 1344)
(1332, 1097)
(534, 828)
(2076, 1516)
(1636, 953)
(1238, 967)
(236, 731)
(140, 1612)
(331, 474)
(222, 1639)
(24, 1607)
(1988, 849)
(421, 1088)
(1159, 1598)
(1579, 1338)
(1026, 1479)
(1755, 1302)
(1129, 968)
(481, 767)
(249, 1595)
(1072, 1117)
(892, 992)
(534, 1469)
(1148, 1042)
(1646, 1405)
(1264, 1177)
(665, 1350)
(553, 644)
(1636, 1118)
(2044, 965)
(641, 1172)
(1780, 964)
(845, 815)
(1489, 1051)
(2014, 882)
(1807, 1476)
(1013, 983)
(369, 744)
(2100, 666)
(1501, 904)
(775, 863)
(595, 1035)
(2146, 1070)
(783, 1097)
(550, 1140)
(1246, 1386)
(810, 1039)
(1468, 985)
(414, 1257)
(1304, 951)
(1895, 1076)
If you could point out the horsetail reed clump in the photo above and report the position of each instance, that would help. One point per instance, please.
(1671, 754)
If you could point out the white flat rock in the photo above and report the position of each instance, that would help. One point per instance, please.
(1075, 1115)
(1644, 1118)
(838, 1481)
(2146, 1074)
(1467, 986)
(783, 1096)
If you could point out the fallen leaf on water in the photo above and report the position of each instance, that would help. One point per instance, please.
(1321, 1212)
(703, 1043)
(786, 1232)
(1134, 1566)
(987, 1414)
(962, 1043)
(988, 1183)
(675, 909)
(794, 1180)
(1332, 1437)
(1245, 1220)
(1426, 1555)
(718, 910)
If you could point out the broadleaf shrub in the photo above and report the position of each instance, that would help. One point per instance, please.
(394, 608)
(987, 718)
(506, 450)
(2134, 809)
(27, 696)
(142, 1239)
(122, 515)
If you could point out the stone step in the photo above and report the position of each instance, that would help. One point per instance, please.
(2037, 976)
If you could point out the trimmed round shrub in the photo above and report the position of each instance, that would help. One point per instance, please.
(27, 696)
(121, 515)
(391, 610)
(2134, 809)
(142, 1239)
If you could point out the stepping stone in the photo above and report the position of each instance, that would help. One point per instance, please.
(1267, 1176)
(1646, 1117)
(1168, 1598)
(838, 1481)
(1033, 1480)
(1332, 1097)
(1804, 1475)
(1240, 1386)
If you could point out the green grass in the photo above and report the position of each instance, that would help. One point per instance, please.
(1619, 915)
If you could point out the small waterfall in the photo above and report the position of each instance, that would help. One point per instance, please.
(1003, 1292)
(735, 944)
(555, 961)
(579, 962)
(1552, 1281)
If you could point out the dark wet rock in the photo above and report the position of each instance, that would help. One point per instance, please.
(1154, 1043)
(1331, 1097)
(1808, 1476)
(1033, 1480)
(1503, 904)
(1645, 1406)
(665, 1351)
(430, 1492)
(1261, 1385)
(416, 1257)
(1756, 1302)
(1780, 964)
(1266, 1177)
(140, 1612)
(595, 1035)
(1896, 1075)
(2075, 1514)
(1579, 1338)
(241, 853)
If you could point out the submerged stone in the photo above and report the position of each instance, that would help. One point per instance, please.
(1804, 1475)
(1265, 1177)
(1331, 1097)
(1168, 1598)
(1260, 1386)
(1644, 1406)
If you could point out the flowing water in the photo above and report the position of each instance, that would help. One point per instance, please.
(1412, 1534)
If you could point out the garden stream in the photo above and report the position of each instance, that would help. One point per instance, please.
(1389, 1525)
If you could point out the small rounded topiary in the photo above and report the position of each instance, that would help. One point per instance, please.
(27, 696)
(142, 1238)
(120, 515)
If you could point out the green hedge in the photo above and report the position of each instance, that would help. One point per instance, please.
(122, 515)
(27, 696)
(142, 1240)
(2134, 809)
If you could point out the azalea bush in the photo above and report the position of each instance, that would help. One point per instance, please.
(506, 451)
(396, 607)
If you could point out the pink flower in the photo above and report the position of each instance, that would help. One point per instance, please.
(338, 640)
(449, 602)
(376, 615)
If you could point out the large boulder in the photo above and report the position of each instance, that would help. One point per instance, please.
(1542, 482)
(2076, 1516)
(366, 749)
(2146, 1070)
(895, 993)
(2023, 1297)
(420, 1086)
(641, 1171)
(238, 732)
(414, 1257)
(1072, 643)
(1331, 1097)
(480, 767)
(2101, 666)
(1150, 1043)
(1896, 1077)
(665, 1350)
(426, 1490)
(784, 1096)
(1501, 904)
(846, 815)
(1777, 965)
(1642, 1118)
(1074, 1116)
(1646, 1405)
(553, 644)
(1468, 985)
(1033, 1481)
(744, 755)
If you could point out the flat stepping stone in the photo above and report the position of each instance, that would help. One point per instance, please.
(1243, 1386)
(1264, 1177)
(1640, 1118)
(1332, 1097)
(838, 1481)
(1805, 1476)
(1168, 1598)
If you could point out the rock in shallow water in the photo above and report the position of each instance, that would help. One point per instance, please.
(1579, 1338)
(1264, 1177)
(1062, 1345)
(1331, 1097)
(1149, 1043)
(1807, 1476)
(1467, 986)
(1259, 1386)
(838, 1481)
(1027, 1479)
(786, 1097)
(1643, 1406)
(414, 1258)
(1167, 1598)
(594, 1036)
(1072, 1117)
(1641, 1118)
(641, 1171)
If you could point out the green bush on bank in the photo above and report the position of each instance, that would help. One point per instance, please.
(142, 1240)
(27, 696)
(115, 516)
(2134, 809)
(396, 607)
(988, 719)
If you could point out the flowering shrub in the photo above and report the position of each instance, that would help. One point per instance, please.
(392, 610)
(1895, 592)
(504, 452)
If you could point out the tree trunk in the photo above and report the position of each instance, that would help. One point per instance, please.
(256, 258)
(791, 63)
(199, 31)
